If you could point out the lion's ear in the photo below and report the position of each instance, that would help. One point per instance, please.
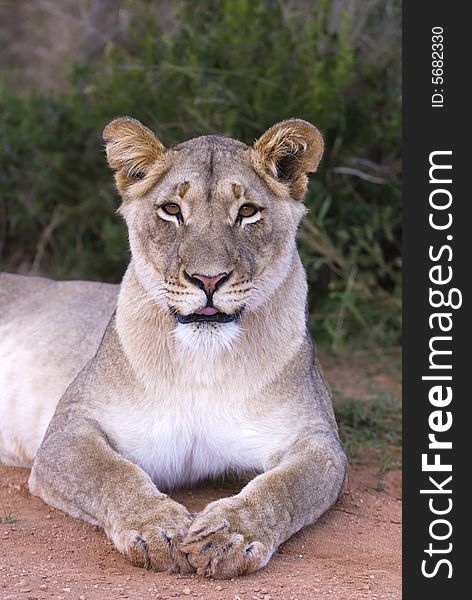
(132, 149)
(287, 152)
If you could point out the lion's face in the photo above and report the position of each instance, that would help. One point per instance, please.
(212, 222)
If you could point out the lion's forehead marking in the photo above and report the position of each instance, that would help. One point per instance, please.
(227, 190)
(212, 166)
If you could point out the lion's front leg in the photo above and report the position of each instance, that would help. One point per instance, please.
(77, 471)
(238, 535)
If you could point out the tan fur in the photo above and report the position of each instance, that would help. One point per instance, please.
(163, 401)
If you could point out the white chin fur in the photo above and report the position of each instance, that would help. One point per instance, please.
(206, 338)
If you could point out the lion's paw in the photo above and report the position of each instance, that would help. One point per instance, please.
(219, 545)
(155, 543)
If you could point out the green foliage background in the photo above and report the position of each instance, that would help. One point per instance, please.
(233, 67)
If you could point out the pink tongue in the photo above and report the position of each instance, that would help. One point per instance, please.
(207, 311)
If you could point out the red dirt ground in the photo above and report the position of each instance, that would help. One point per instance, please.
(353, 552)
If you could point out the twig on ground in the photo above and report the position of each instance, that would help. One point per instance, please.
(56, 219)
(364, 516)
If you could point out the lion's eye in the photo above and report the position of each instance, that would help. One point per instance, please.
(171, 209)
(247, 210)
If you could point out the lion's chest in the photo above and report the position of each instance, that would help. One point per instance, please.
(181, 439)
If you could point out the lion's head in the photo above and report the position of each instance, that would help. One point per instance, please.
(212, 222)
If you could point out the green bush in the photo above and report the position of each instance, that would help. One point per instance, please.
(234, 67)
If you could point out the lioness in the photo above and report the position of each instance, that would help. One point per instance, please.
(200, 363)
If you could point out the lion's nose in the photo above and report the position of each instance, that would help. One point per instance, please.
(208, 283)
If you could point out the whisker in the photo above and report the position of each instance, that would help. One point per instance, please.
(264, 296)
